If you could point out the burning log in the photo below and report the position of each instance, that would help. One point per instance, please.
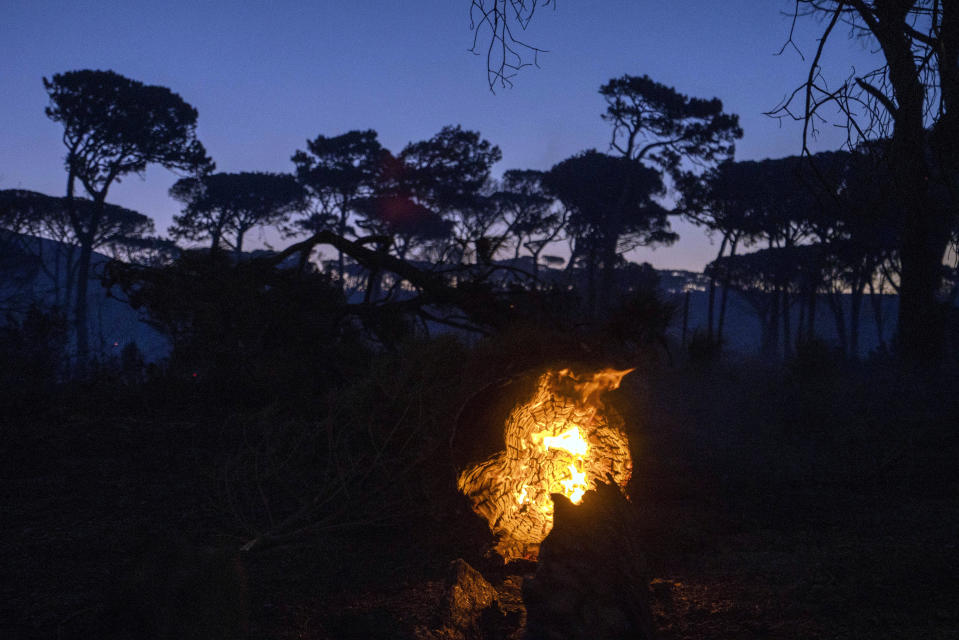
(591, 578)
(562, 440)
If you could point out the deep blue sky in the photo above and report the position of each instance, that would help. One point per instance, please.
(265, 76)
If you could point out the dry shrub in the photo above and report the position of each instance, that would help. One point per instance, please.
(33, 351)
(376, 455)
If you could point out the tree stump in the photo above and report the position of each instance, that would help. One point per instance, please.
(591, 579)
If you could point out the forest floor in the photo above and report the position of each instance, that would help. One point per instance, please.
(751, 530)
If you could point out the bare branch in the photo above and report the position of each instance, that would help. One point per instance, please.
(878, 95)
(792, 30)
(813, 70)
(505, 54)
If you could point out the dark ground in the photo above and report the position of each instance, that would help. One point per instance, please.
(775, 505)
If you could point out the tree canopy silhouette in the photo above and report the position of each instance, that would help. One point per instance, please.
(611, 211)
(655, 123)
(223, 204)
(770, 200)
(338, 172)
(114, 126)
(402, 222)
(910, 97)
(528, 212)
(447, 174)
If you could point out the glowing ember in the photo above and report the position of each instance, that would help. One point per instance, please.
(570, 441)
(560, 441)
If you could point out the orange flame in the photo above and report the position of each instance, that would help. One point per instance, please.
(570, 441)
(586, 390)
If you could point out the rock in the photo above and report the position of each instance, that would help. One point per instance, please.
(469, 608)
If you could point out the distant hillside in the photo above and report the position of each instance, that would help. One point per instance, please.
(35, 270)
(742, 331)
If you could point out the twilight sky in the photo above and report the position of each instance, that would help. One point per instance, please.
(265, 76)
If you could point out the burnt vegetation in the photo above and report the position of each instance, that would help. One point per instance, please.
(288, 468)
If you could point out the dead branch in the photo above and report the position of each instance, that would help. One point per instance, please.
(505, 53)
(434, 286)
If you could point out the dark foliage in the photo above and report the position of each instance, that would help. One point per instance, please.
(337, 170)
(639, 321)
(222, 204)
(448, 170)
(656, 123)
(403, 219)
(338, 173)
(246, 332)
(374, 454)
(703, 348)
(830, 485)
(38, 214)
(34, 356)
(115, 125)
(612, 210)
(612, 200)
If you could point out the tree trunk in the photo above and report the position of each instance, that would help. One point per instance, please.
(70, 278)
(723, 299)
(921, 330)
(855, 307)
(712, 294)
(608, 278)
(921, 325)
(340, 263)
(84, 235)
(801, 321)
(770, 349)
(375, 278)
(876, 300)
(372, 286)
(787, 324)
(710, 305)
(81, 309)
(80, 306)
(591, 283)
(835, 303)
(215, 240)
(811, 325)
(591, 579)
(535, 255)
(57, 300)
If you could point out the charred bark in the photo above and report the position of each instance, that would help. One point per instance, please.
(591, 580)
